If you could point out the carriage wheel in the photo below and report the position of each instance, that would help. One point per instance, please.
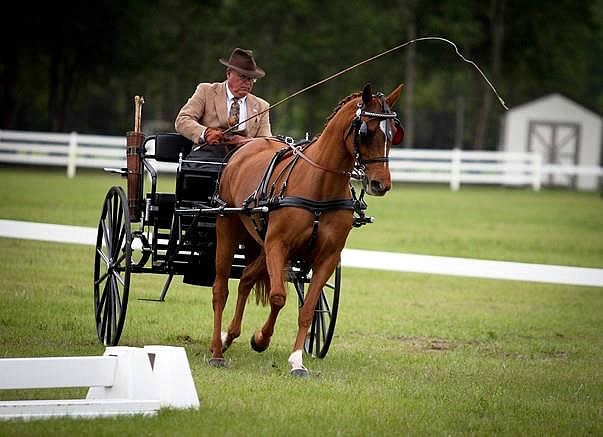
(112, 266)
(321, 331)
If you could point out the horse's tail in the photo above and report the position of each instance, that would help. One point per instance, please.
(262, 285)
(258, 270)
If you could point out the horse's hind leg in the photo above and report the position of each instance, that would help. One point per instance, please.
(227, 230)
(275, 261)
(254, 271)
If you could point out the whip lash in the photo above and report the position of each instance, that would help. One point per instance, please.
(372, 58)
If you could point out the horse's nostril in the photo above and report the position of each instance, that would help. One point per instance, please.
(377, 186)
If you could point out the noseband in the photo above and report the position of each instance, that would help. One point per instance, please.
(360, 129)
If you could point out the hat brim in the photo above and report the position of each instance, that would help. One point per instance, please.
(256, 74)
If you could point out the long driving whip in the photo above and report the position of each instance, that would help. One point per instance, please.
(372, 58)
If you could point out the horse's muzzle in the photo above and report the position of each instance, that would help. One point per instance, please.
(376, 187)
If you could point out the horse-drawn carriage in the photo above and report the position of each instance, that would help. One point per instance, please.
(174, 234)
(180, 233)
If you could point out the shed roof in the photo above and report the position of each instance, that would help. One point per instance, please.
(564, 98)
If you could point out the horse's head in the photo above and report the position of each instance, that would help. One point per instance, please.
(373, 130)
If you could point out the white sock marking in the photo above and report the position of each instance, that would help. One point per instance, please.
(295, 360)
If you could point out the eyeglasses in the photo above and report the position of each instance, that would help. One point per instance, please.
(245, 78)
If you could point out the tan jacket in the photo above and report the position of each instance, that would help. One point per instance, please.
(207, 108)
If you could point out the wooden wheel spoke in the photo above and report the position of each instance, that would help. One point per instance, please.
(312, 335)
(323, 328)
(102, 301)
(325, 303)
(109, 218)
(113, 308)
(118, 238)
(119, 278)
(117, 300)
(115, 210)
(105, 319)
(121, 258)
(106, 236)
(318, 332)
(101, 279)
(119, 242)
(103, 256)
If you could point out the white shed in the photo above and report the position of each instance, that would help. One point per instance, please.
(561, 130)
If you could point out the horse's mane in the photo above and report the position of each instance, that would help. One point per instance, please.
(340, 104)
(337, 108)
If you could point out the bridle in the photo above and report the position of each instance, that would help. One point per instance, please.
(360, 129)
(361, 136)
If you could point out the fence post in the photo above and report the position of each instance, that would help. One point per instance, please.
(72, 155)
(536, 171)
(455, 170)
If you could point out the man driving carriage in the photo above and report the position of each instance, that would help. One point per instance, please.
(215, 107)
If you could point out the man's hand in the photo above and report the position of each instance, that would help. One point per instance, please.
(235, 138)
(214, 135)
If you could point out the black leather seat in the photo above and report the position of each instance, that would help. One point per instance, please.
(168, 146)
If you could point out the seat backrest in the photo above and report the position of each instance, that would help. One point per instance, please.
(168, 146)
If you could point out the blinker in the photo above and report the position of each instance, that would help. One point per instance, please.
(398, 135)
(394, 136)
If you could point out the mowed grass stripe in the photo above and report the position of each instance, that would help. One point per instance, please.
(556, 227)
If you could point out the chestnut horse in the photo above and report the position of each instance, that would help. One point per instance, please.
(357, 137)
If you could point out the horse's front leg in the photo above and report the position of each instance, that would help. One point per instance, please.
(321, 272)
(276, 255)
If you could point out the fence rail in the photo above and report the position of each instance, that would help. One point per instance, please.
(125, 380)
(454, 167)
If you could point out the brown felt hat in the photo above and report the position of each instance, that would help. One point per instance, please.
(242, 61)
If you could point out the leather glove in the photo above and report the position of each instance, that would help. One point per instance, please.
(214, 135)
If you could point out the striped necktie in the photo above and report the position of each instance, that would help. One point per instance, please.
(233, 116)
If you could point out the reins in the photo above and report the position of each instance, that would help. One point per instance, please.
(359, 127)
(298, 151)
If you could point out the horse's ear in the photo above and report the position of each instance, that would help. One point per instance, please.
(367, 94)
(393, 97)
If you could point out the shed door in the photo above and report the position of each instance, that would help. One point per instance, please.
(558, 143)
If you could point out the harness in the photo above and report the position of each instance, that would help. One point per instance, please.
(269, 196)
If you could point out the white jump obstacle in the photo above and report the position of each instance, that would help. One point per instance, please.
(124, 381)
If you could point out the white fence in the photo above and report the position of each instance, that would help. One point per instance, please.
(457, 167)
(65, 150)
(125, 380)
(454, 167)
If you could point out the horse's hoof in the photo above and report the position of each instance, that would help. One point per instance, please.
(217, 362)
(255, 346)
(300, 372)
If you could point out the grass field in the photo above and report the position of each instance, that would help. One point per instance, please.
(412, 354)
